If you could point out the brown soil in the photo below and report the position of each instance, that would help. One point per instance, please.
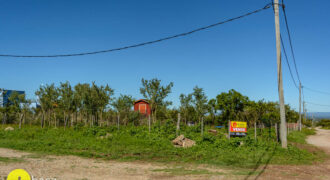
(77, 168)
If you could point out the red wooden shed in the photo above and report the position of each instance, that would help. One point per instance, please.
(142, 106)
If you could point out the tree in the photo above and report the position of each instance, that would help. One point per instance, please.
(186, 106)
(66, 102)
(48, 99)
(212, 109)
(231, 104)
(200, 102)
(155, 93)
(123, 105)
(19, 105)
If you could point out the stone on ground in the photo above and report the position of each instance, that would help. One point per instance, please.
(9, 129)
(181, 141)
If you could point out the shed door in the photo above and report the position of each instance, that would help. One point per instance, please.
(143, 108)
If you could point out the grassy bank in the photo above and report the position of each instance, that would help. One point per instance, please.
(136, 143)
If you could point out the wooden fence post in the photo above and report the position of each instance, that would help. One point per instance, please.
(118, 121)
(178, 125)
(229, 129)
(149, 122)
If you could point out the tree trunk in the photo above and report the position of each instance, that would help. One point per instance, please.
(4, 119)
(276, 132)
(202, 127)
(42, 119)
(255, 130)
(149, 123)
(118, 121)
(64, 118)
(55, 120)
(20, 120)
(71, 119)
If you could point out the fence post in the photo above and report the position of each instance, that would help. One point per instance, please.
(149, 122)
(178, 125)
(202, 127)
(118, 121)
(229, 129)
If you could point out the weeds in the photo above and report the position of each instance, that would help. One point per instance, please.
(136, 143)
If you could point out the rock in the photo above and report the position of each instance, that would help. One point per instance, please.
(108, 135)
(188, 143)
(181, 141)
(213, 131)
(9, 129)
(105, 137)
(178, 140)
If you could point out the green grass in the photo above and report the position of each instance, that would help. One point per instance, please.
(10, 160)
(136, 143)
(300, 137)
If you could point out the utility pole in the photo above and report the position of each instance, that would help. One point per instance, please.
(305, 114)
(304, 111)
(299, 126)
(283, 130)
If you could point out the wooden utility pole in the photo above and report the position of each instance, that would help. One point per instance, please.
(283, 130)
(299, 125)
(304, 111)
(305, 114)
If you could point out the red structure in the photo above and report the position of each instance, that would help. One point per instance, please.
(142, 106)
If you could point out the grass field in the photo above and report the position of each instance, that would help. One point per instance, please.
(136, 143)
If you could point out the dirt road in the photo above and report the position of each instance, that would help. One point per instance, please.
(321, 139)
(77, 168)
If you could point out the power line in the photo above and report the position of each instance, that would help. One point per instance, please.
(290, 40)
(317, 91)
(317, 104)
(287, 61)
(140, 44)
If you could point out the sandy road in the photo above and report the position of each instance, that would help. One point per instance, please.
(321, 139)
(77, 168)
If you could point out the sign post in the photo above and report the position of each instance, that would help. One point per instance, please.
(237, 128)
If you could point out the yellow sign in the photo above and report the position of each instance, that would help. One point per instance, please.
(18, 174)
(238, 126)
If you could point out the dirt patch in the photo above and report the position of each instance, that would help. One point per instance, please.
(77, 168)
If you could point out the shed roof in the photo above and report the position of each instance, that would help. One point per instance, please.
(141, 100)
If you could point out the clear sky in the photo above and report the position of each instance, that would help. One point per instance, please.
(239, 55)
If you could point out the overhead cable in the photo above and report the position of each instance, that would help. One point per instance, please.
(140, 44)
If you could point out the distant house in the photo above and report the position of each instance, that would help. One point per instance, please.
(142, 106)
(5, 94)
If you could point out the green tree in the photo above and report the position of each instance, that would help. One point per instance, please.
(19, 105)
(48, 99)
(212, 109)
(186, 106)
(200, 102)
(155, 93)
(231, 104)
(66, 102)
(123, 105)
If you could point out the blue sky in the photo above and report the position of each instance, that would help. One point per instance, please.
(239, 55)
